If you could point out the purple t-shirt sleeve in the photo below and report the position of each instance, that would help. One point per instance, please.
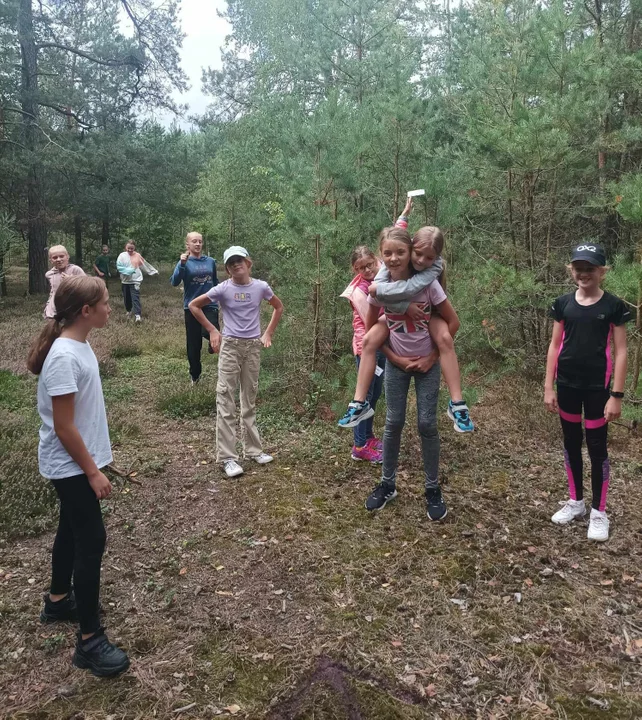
(215, 292)
(437, 294)
(268, 293)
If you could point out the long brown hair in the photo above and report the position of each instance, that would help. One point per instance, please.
(71, 296)
(434, 238)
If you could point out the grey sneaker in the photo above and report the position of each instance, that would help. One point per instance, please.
(232, 468)
(598, 526)
(572, 510)
(262, 458)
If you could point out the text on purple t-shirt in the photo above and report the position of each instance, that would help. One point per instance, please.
(409, 337)
(241, 306)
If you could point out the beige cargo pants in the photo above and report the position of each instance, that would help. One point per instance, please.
(239, 362)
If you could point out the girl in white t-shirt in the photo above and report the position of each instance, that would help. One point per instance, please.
(74, 447)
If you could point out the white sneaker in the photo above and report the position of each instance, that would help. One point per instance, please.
(128, 314)
(573, 509)
(232, 468)
(263, 459)
(598, 526)
(139, 318)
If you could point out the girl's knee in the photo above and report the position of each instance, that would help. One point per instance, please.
(375, 337)
(92, 542)
(371, 343)
(443, 340)
(395, 423)
(427, 428)
(596, 445)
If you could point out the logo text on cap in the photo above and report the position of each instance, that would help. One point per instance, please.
(586, 247)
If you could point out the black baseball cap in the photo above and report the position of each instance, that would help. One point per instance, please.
(590, 252)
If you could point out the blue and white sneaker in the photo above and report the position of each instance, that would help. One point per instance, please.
(458, 413)
(357, 412)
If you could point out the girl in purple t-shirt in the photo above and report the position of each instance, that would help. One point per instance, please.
(239, 347)
(410, 354)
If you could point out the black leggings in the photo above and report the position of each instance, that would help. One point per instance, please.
(195, 332)
(570, 401)
(78, 548)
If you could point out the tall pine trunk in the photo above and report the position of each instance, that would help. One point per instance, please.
(36, 225)
(78, 239)
(105, 233)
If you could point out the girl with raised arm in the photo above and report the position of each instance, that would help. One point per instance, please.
(197, 272)
(410, 354)
(427, 265)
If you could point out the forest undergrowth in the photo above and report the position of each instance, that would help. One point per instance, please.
(276, 595)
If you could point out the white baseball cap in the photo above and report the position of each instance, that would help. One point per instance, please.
(235, 251)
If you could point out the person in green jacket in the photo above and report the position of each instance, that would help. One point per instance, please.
(101, 264)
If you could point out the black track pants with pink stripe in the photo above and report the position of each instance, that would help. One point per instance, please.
(571, 401)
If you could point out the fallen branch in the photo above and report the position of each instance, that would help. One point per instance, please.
(127, 475)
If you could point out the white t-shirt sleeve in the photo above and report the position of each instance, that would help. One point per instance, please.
(62, 375)
(437, 294)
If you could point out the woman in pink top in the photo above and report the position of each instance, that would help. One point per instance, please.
(60, 268)
(364, 266)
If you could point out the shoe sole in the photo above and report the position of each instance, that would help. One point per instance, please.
(233, 475)
(437, 519)
(353, 423)
(568, 522)
(48, 619)
(83, 664)
(594, 539)
(372, 462)
(457, 428)
(390, 499)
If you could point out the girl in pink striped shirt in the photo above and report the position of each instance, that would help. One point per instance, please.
(364, 266)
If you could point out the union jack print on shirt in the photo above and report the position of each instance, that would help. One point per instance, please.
(405, 324)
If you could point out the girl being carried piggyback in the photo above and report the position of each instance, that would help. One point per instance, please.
(403, 315)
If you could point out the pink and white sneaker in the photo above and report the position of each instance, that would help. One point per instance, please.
(375, 443)
(367, 453)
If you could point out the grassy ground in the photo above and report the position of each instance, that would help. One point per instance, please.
(277, 596)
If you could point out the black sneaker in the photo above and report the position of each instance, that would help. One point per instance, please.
(99, 655)
(64, 610)
(381, 495)
(437, 509)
